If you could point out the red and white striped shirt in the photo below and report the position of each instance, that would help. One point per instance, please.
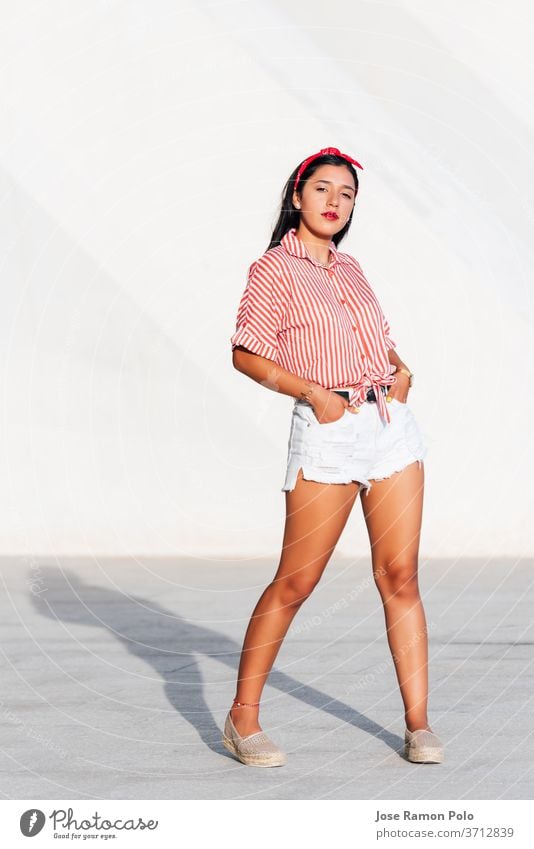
(323, 324)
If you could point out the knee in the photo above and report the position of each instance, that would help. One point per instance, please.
(398, 579)
(294, 590)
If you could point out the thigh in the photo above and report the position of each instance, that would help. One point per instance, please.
(316, 514)
(393, 510)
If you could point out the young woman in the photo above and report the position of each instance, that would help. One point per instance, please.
(310, 326)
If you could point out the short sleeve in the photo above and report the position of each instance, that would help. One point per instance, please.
(260, 311)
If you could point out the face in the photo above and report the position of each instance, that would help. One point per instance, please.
(329, 190)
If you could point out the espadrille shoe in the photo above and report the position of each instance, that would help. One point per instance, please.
(423, 747)
(254, 750)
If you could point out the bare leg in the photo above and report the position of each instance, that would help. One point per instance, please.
(316, 514)
(393, 513)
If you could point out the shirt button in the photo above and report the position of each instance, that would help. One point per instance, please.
(342, 302)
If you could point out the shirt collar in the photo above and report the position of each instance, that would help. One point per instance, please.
(296, 247)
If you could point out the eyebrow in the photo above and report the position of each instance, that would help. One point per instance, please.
(330, 181)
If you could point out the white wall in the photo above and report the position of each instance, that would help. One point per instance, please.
(144, 147)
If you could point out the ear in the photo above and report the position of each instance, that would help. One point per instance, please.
(296, 200)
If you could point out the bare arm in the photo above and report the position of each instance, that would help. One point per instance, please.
(327, 405)
(401, 387)
(268, 373)
(396, 360)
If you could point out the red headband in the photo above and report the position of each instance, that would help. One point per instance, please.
(332, 150)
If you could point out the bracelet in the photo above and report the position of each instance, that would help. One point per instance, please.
(306, 395)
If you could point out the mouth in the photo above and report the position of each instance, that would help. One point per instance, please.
(331, 216)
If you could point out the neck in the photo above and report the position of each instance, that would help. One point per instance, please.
(317, 246)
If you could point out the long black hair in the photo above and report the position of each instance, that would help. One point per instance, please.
(290, 216)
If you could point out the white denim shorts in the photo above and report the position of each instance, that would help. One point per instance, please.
(357, 447)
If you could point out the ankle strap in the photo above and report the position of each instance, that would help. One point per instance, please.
(244, 704)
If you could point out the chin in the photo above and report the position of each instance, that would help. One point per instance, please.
(331, 227)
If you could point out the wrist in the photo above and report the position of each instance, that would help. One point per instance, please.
(310, 392)
(307, 391)
(405, 371)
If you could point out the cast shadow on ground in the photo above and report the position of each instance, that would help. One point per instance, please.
(170, 645)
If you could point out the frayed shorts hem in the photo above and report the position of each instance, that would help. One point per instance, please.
(309, 473)
(312, 473)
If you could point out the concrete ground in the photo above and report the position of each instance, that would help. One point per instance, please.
(117, 675)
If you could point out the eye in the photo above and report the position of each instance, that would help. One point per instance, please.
(346, 194)
(321, 189)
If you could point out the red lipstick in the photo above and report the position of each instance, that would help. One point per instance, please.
(332, 216)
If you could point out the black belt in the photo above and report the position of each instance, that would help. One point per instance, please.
(371, 397)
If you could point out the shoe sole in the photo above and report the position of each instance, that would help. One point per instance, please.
(250, 760)
(424, 756)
